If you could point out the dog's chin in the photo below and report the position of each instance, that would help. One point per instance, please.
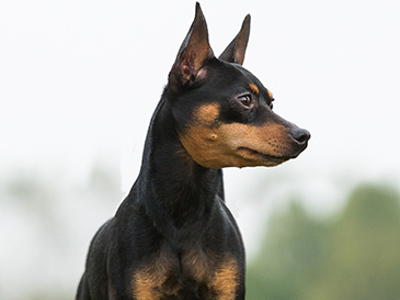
(256, 158)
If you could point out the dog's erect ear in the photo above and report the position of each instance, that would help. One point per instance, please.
(194, 51)
(235, 52)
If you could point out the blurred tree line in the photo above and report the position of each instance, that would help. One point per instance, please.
(355, 255)
(47, 220)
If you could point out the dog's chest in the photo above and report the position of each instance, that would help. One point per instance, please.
(192, 275)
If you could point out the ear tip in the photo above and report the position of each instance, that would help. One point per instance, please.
(199, 11)
(246, 24)
(200, 19)
(247, 19)
(199, 15)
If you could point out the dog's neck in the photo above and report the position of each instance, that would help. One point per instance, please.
(175, 186)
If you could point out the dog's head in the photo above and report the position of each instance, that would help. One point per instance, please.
(223, 113)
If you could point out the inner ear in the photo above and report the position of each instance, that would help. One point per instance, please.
(193, 53)
(236, 50)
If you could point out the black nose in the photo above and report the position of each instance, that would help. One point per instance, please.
(301, 136)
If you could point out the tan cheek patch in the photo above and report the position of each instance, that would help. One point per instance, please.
(206, 114)
(270, 139)
(199, 138)
(218, 147)
(215, 145)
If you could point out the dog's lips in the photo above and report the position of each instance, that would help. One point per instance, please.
(269, 159)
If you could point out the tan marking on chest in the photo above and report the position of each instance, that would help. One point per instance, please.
(155, 280)
(161, 278)
(226, 279)
(145, 283)
(198, 265)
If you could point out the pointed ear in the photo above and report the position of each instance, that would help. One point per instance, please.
(235, 52)
(194, 51)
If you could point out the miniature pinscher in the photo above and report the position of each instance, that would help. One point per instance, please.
(173, 236)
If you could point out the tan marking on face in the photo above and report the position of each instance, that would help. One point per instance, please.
(254, 88)
(215, 145)
(226, 280)
(270, 94)
(206, 114)
(202, 128)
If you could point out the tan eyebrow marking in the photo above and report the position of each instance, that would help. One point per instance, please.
(254, 88)
(270, 94)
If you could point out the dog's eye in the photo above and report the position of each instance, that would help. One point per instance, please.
(245, 100)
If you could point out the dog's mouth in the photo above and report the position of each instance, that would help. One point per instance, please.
(267, 160)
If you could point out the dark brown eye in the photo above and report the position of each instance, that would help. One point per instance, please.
(245, 100)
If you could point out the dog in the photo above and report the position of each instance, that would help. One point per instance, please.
(173, 237)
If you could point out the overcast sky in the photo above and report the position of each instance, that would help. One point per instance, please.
(83, 77)
(79, 81)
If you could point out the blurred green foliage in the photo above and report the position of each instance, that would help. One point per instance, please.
(355, 256)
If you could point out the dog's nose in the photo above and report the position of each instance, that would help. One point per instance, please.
(301, 136)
